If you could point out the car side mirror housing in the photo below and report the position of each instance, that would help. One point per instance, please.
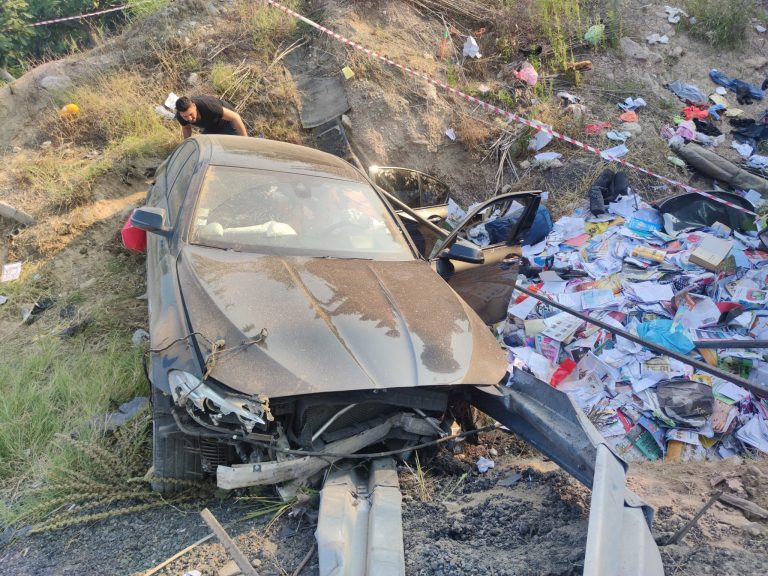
(151, 219)
(464, 251)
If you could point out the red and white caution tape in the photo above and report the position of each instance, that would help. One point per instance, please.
(79, 16)
(500, 111)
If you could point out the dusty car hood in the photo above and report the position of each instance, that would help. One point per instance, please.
(332, 324)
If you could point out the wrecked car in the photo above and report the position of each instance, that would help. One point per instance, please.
(292, 308)
(300, 315)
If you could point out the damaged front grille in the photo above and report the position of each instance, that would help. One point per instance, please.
(214, 454)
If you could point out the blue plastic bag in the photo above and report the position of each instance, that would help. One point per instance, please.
(660, 332)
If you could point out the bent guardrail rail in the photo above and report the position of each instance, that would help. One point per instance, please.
(619, 541)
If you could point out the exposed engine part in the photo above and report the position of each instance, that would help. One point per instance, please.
(325, 426)
(292, 467)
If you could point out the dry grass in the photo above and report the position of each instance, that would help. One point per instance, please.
(115, 118)
(61, 179)
(472, 133)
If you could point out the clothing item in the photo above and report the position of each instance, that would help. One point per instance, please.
(687, 92)
(743, 90)
(606, 189)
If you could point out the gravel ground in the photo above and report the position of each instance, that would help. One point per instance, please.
(523, 517)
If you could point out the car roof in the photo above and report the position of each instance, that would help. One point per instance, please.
(262, 154)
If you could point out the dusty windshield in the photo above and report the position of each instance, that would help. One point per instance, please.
(277, 212)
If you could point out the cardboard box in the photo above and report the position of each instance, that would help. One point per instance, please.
(710, 252)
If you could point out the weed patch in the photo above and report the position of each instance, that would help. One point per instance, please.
(722, 24)
(56, 386)
(561, 22)
(60, 177)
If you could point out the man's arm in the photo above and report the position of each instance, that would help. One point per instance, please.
(186, 131)
(234, 117)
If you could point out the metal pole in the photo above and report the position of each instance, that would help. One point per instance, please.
(730, 343)
(757, 389)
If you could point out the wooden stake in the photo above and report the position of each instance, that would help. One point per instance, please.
(237, 555)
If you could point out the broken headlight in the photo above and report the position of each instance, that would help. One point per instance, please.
(208, 404)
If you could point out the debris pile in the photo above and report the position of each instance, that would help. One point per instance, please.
(679, 275)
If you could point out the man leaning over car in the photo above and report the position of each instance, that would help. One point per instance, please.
(211, 115)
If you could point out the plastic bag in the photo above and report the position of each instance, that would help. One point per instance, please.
(527, 74)
(660, 332)
(595, 34)
(687, 402)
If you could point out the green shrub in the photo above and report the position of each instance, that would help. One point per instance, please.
(723, 24)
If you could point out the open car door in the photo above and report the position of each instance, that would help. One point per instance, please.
(484, 276)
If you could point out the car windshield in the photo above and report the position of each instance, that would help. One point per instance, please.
(280, 213)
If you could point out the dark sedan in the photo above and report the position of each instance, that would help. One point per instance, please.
(294, 306)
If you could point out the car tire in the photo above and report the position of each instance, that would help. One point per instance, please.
(175, 455)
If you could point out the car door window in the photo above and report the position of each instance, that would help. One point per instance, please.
(423, 236)
(178, 189)
(402, 183)
(500, 222)
(177, 162)
(433, 192)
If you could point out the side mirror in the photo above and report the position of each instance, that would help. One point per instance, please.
(151, 219)
(463, 251)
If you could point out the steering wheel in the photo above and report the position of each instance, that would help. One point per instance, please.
(334, 228)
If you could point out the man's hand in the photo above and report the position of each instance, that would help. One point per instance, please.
(186, 131)
(234, 117)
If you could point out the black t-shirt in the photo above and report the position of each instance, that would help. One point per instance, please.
(209, 111)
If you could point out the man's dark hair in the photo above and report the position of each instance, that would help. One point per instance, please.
(183, 104)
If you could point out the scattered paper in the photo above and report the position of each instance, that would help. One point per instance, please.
(596, 299)
(562, 326)
(451, 134)
(731, 391)
(484, 464)
(685, 436)
(523, 308)
(550, 276)
(650, 292)
(615, 152)
(754, 433)
(170, 101)
(165, 113)
(529, 251)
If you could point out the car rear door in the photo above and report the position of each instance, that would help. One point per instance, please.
(487, 287)
(425, 194)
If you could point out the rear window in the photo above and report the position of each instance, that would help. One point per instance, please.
(276, 212)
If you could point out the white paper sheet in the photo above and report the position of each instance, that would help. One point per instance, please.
(650, 292)
(524, 308)
(11, 272)
(754, 433)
